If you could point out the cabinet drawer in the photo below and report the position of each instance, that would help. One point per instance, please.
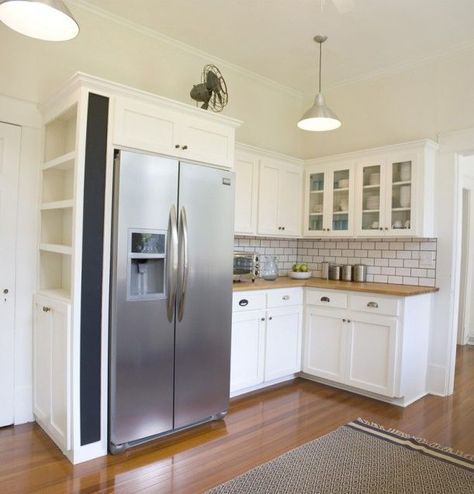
(281, 297)
(325, 298)
(375, 305)
(248, 301)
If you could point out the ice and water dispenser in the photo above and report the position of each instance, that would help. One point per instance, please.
(146, 265)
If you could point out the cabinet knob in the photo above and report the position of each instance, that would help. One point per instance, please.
(46, 309)
(177, 146)
(270, 318)
(343, 320)
(386, 228)
(285, 297)
(262, 319)
(380, 228)
(5, 291)
(348, 320)
(184, 147)
(282, 227)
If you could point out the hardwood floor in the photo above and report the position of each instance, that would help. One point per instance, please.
(257, 428)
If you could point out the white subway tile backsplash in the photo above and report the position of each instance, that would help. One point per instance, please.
(388, 260)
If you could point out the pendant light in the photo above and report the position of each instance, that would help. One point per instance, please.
(48, 20)
(319, 117)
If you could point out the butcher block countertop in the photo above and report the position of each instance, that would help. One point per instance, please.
(380, 288)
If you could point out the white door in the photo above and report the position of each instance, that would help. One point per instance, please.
(325, 344)
(9, 165)
(247, 350)
(268, 198)
(283, 342)
(372, 359)
(290, 201)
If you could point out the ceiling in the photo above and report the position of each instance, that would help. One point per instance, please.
(274, 37)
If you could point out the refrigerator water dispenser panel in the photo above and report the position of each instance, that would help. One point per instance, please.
(146, 265)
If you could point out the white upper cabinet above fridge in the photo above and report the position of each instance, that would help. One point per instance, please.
(175, 130)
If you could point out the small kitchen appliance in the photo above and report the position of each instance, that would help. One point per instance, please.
(245, 266)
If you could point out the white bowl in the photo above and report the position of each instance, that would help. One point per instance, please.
(299, 275)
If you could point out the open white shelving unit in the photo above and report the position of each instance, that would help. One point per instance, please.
(57, 206)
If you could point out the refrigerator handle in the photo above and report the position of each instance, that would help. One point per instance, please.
(172, 263)
(184, 260)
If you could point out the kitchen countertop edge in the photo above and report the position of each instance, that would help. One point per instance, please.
(367, 287)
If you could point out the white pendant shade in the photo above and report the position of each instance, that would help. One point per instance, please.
(319, 117)
(48, 20)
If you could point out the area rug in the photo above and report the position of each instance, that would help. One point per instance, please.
(360, 457)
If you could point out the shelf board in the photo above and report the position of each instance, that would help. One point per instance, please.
(58, 204)
(58, 293)
(57, 248)
(407, 182)
(344, 189)
(316, 191)
(61, 162)
(340, 212)
(377, 186)
(371, 211)
(401, 209)
(315, 214)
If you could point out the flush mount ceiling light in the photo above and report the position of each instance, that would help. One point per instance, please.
(48, 20)
(319, 117)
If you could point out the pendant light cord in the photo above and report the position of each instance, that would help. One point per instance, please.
(320, 62)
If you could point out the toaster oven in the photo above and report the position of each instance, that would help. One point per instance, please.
(245, 266)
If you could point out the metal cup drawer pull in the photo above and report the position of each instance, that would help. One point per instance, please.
(325, 299)
(373, 305)
(244, 302)
(285, 297)
(46, 309)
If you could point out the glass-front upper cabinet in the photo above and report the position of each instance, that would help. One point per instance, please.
(400, 207)
(329, 198)
(371, 198)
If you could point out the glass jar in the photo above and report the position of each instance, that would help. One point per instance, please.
(268, 268)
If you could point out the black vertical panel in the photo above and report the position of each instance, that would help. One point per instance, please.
(92, 263)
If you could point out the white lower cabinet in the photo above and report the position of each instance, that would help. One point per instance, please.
(372, 343)
(325, 343)
(51, 361)
(371, 359)
(266, 341)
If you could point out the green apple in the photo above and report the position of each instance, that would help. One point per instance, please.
(294, 267)
(304, 268)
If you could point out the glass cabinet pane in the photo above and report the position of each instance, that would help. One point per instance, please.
(371, 197)
(340, 201)
(401, 195)
(316, 201)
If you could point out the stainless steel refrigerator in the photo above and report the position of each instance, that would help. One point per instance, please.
(171, 296)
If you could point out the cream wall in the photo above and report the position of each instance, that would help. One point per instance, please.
(418, 102)
(117, 50)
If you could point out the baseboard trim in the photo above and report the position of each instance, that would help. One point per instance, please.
(437, 380)
(470, 340)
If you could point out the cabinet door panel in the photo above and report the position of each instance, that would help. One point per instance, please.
(60, 372)
(315, 202)
(268, 199)
(42, 362)
(246, 193)
(289, 207)
(325, 344)
(283, 342)
(247, 351)
(207, 142)
(372, 354)
(142, 126)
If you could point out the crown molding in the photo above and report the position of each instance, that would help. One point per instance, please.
(268, 153)
(163, 38)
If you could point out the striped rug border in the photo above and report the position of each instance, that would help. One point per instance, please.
(414, 443)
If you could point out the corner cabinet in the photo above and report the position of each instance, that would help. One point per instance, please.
(83, 124)
(268, 195)
(390, 192)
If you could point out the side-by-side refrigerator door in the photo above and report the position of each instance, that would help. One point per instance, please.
(144, 266)
(204, 297)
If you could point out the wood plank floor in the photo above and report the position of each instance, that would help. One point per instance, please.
(257, 428)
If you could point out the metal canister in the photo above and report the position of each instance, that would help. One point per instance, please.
(334, 272)
(360, 272)
(325, 270)
(346, 274)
